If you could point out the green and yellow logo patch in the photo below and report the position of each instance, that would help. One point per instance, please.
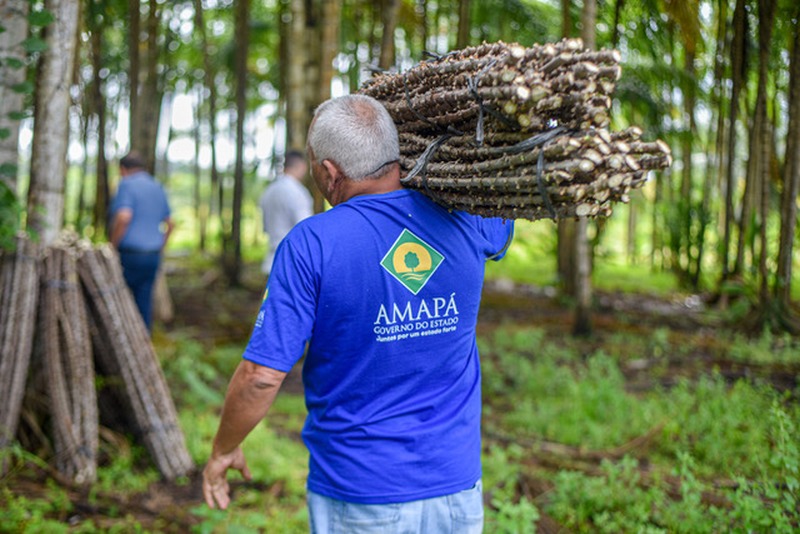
(411, 261)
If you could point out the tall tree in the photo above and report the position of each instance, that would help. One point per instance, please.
(234, 263)
(566, 228)
(389, 19)
(791, 183)
(209, 73)
(145, 93)
(51, 121)
(716, 131)
(96, 24)
(738, 72)
(566, 18)
(462, 39)
(13, 58)
(582, 253)
(296, 107)
(763, 147)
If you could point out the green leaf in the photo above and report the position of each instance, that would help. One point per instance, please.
(4, 133)
(40, 18)
(14, 63)
(25, 87)
(18, 115)
(8, 169)
(34, 44)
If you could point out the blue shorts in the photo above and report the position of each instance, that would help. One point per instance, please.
(460, 513)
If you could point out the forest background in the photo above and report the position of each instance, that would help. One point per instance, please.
(214, 92)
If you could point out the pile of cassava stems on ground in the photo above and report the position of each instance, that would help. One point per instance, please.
(503, 130)
(84, 314)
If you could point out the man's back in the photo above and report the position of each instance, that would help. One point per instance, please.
(387, 287)
(145, 197)
(283, 204)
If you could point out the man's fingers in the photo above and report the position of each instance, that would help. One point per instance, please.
(222, 497)
(216, 494)
(208, 495)
(216, 490)
(246, 472)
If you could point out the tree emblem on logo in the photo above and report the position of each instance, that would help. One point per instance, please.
(411, 261)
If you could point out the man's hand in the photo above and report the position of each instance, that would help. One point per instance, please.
(216, 490)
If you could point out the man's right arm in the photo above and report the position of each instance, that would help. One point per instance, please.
(250, 395)
(119, 225)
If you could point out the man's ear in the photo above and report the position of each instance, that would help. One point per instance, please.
(333, 171)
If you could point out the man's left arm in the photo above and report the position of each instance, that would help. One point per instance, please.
(167, 231)
(250, 395)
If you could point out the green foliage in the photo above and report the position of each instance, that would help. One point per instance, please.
(540, 390)
(30, 516)
(514, 518)
(195, 379)
(614, 502)
(587, 407)
(10, 211)
(766, 349)
(124, 472)
(40, 17)
(771, 503)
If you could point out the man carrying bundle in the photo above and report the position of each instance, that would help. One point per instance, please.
(385, 289)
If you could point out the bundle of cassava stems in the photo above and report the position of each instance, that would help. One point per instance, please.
(520, 133)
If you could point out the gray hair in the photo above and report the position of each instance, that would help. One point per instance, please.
(357, 134)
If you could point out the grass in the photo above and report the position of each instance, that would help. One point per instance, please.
(707, 430)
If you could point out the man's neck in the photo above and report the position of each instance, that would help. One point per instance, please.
(385, 184)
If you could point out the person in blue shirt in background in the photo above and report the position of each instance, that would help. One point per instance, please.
(140, 227)
(381, 292)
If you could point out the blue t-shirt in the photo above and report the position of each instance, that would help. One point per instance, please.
(386, 288)
(143, 195)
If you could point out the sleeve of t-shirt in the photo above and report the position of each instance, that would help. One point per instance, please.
(498, 233)
(123, 198)
(287, 313)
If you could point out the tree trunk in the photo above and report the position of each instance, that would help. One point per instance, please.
(134, 38)
(565, 230)
(717, 132)
(234, 263)
(619, 5)
(329, 46)
(766, 18)
(144, 85)
(631, 248)
(389, 18)
(583, 267)
(102, 193)
(423, 23)
(684, 260)
(296, 124)
(737, 80)
(329, 24)
(462, 40)
(14, 23)
(791, 180)
(210, 83)
(81, 201)
(200, 208)
(51, 121)
(566, 18)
